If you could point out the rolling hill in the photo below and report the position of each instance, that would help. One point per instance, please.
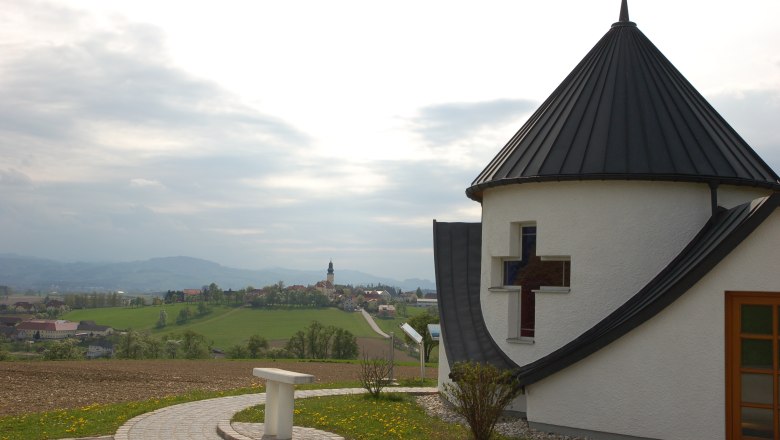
(162, 274)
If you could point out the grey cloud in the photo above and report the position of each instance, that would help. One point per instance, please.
(445, 123)
(12, 177)
(123, 75)
(754, 114)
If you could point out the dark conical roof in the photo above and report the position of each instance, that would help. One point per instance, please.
(625, 113)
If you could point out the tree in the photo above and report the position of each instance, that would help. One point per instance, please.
(215, 293)
(400, 307)
(344, 345)
(184, 316)
(420, 323)
(130, 346)
(65, 349)
(256, 345)
(297, 345)
(203, 309)
(419, 293)
(194, 345)
(319, 342)
(152, 347)
(171, 348)
(162, 321)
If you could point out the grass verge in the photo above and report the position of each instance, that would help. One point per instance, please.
(105, 419)
(358, 417)
(96, 419)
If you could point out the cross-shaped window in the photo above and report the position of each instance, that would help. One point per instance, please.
(531, 273)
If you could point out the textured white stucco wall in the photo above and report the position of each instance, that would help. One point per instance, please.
(619, 236)
(666, 378)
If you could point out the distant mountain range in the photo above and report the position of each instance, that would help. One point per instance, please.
(162, 274)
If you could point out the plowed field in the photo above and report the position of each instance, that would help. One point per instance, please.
(40, 386)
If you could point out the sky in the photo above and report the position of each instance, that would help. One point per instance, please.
(287, 134)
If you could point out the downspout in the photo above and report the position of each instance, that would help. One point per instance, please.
(714, 197)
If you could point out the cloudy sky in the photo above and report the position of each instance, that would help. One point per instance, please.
(286, 133)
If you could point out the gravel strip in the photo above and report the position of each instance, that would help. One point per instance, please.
(514, 427)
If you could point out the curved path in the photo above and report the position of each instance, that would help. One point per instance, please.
(201, 420)
(372, 323)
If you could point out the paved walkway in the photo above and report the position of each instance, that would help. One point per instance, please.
(372, 323)
(202, 419)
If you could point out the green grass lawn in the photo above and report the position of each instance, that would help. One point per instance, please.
(95, 419)
(226, 326)
(392, 324)
(358, 417)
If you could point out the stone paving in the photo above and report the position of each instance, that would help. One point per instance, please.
(210, 419)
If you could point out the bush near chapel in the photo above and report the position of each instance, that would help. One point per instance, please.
(480, 394)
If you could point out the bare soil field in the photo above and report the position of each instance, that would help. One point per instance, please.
(47, 385)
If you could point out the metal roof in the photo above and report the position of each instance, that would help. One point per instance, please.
(457, 248)
(625, 113)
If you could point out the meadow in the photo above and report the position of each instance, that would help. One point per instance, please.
(393, 324)
(225, 325)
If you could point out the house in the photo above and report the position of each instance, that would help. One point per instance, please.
(409, 297)
(625, 268)
(425, 302)
(23, 307)
(191, 294)
(377, 295)
(100, 349)
(46, 329)
(347, 303)
(386, 311)
(57, 306)
(89, 328)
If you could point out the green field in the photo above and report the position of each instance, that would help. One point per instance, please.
(392, 324)
(225, 326)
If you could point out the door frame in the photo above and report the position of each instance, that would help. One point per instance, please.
(733, 399)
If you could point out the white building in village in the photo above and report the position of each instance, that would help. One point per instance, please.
(626, 265)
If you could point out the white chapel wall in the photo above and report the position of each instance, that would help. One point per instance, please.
(666, 378)
(618, 234)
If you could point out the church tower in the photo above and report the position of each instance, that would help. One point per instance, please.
(330, 275)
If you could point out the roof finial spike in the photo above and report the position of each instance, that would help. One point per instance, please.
(624, 11)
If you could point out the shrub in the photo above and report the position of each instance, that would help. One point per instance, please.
(480, 393)
(373, 374)
(278, 353)
(184, 316)
(65, 349)
(256, 345)
(238, 351)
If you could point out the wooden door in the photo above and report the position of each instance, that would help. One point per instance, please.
(753, 373)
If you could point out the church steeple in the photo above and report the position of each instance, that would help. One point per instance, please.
(331, 277)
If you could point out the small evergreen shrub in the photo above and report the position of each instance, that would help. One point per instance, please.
(480, 393)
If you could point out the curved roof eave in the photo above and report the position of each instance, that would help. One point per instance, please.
(715, 241)
(475, 192)
(457, 257)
